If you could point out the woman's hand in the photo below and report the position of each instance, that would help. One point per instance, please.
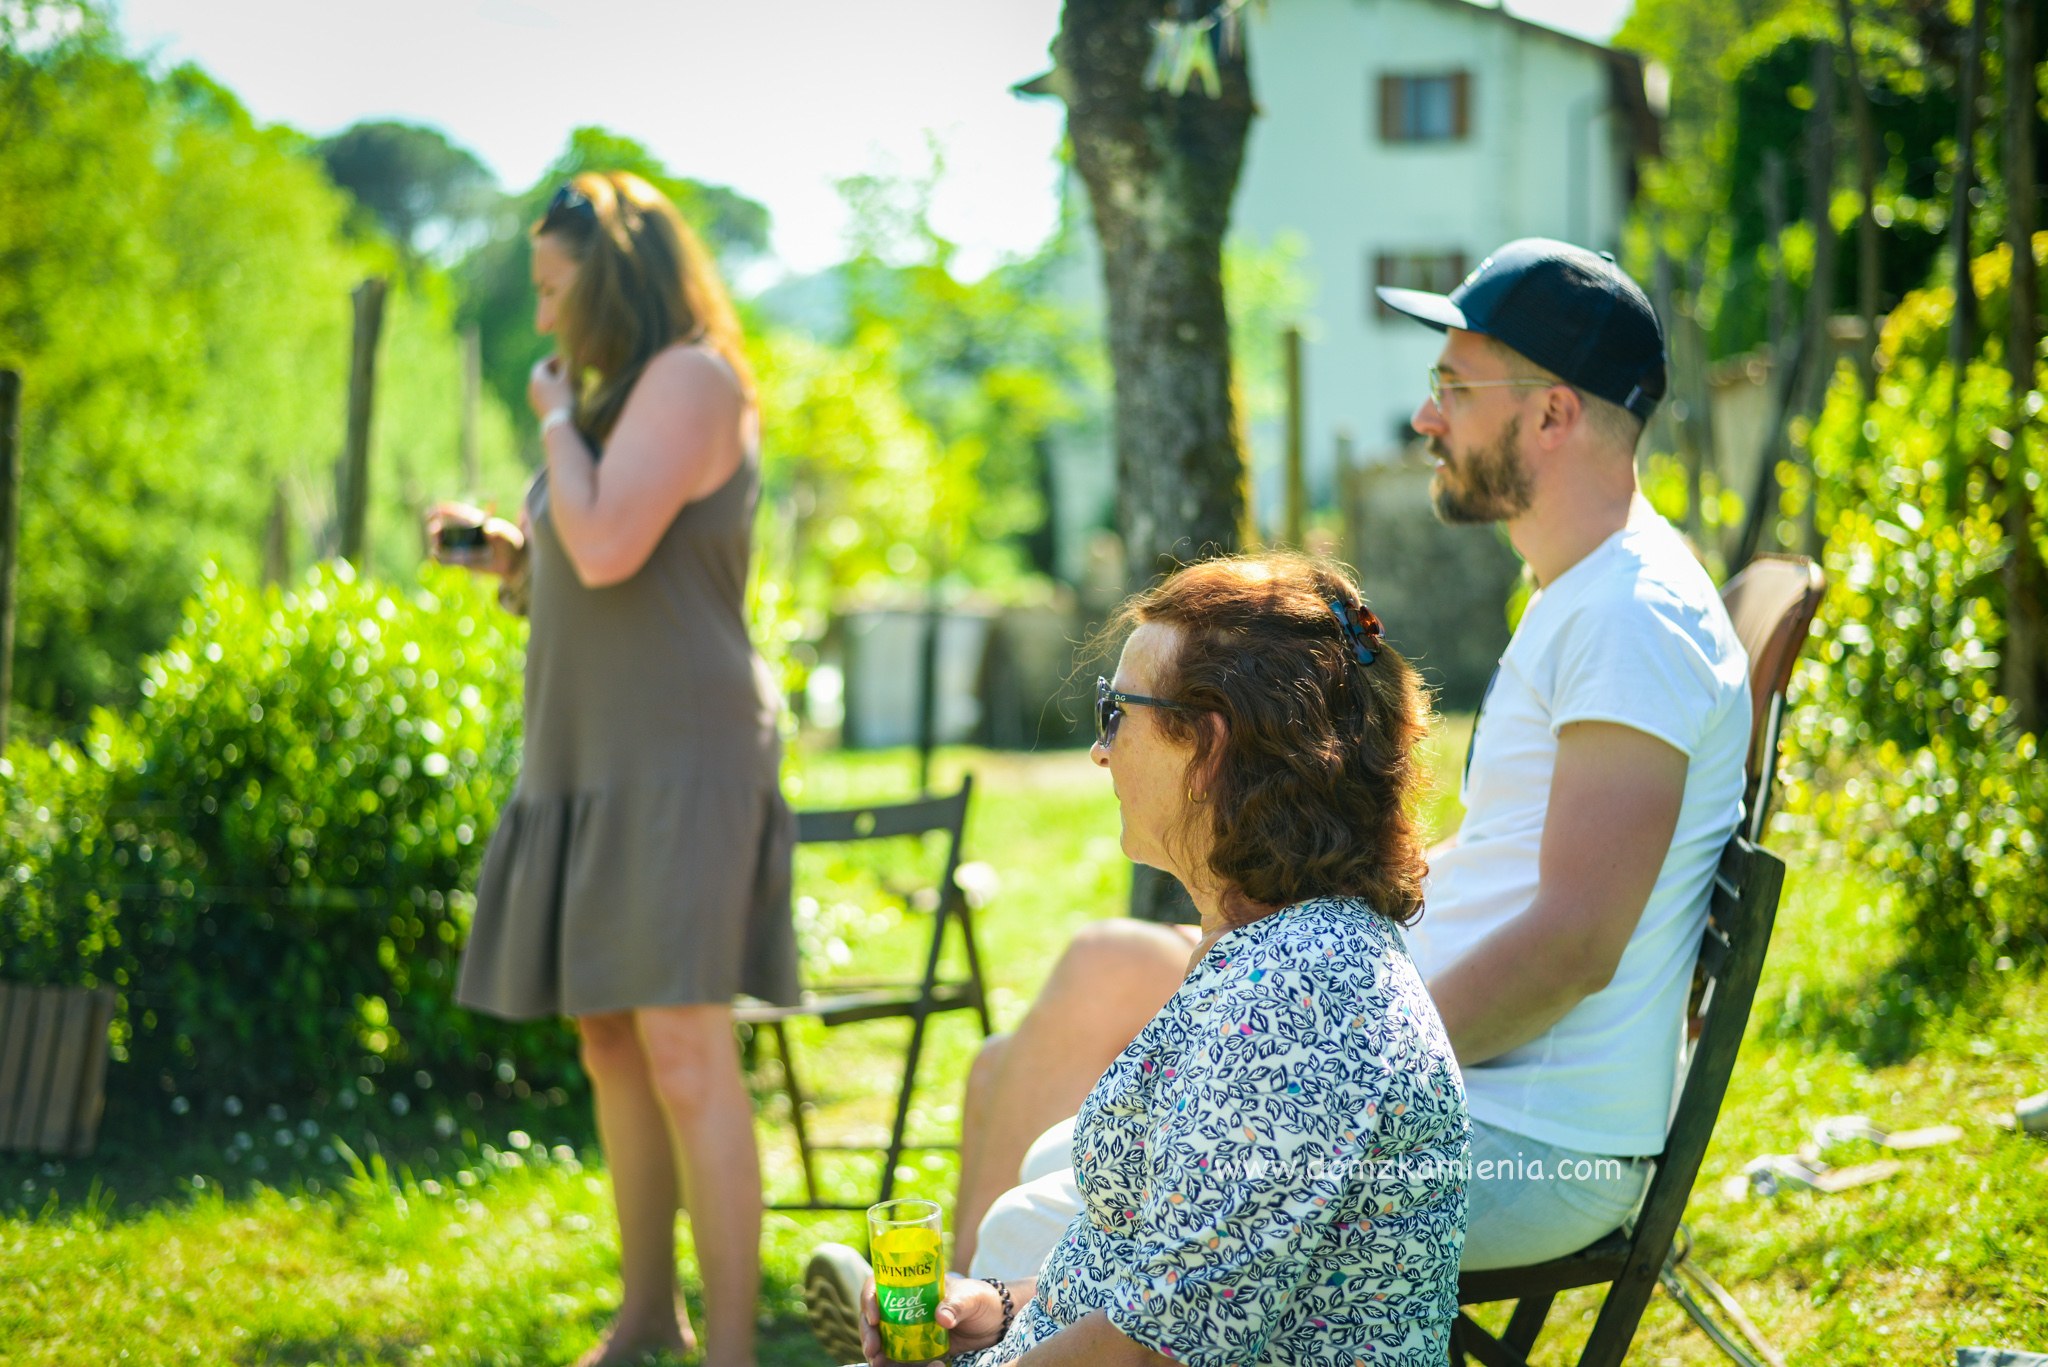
(548, 387)
(971, 1314)
(503, 543)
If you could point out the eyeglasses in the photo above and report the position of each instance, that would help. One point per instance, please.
(569, 203)
(1109, 710)
(1438, 385)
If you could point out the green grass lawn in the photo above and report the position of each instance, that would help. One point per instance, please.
(485, 1236)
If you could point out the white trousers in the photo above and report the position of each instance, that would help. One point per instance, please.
(1526, 1202)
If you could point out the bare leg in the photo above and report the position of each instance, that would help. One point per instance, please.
(696, 1071)
(641, 1157)
(1112, 978)
(983, 1075)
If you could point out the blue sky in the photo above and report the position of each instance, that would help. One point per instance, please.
(777, 98)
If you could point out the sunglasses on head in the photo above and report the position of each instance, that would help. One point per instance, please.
(569, 204)
(1109, 710)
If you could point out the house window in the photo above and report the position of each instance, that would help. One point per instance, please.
(1425, 108)
(1437, 272)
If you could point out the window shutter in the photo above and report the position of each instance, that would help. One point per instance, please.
(1461, 103)
(1382, 274)
(1390, 110)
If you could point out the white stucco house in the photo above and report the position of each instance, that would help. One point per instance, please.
(1399, 141)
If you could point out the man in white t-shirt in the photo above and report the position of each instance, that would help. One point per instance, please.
(1606, 768)
(1605, 775)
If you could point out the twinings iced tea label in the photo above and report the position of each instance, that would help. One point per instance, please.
(909, 1284)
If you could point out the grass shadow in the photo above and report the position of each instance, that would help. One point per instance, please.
(149, 1155)
(1891, 1014)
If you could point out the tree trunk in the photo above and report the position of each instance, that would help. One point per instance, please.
(2026, 578)
(1161, 170)
(1866, 184)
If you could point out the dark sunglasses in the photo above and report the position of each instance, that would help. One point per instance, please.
(1109, 710)
(569, 204)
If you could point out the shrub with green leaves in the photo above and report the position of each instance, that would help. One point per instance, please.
(287, 827)
(57, 909)
(1903, 748)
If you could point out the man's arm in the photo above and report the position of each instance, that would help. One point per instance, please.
(1614, 801)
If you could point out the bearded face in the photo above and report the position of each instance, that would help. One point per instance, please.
(1485, 484)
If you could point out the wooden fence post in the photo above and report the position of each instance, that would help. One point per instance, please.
(277, 538)
(1818, 345)
(472, 400)
(1297, 490)
(1801, 379)
(2026, 576)
(1962, 330)
(1866, 186)
(354, 484)
(1346, 463)
(10, 529)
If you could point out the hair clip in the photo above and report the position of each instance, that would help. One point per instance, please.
(1364, 635)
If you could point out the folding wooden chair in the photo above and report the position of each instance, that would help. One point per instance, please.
(843, 1002)
(1772, 602)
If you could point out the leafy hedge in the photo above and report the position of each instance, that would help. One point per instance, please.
(1904, 749)
(270, 857)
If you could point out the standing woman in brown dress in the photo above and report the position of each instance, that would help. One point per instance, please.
(639, 876)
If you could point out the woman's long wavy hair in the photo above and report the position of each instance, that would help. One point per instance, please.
(1312, 781)
(644, 282)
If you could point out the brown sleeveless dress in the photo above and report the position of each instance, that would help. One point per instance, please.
(644, 858)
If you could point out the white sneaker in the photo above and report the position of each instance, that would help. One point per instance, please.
(832, 1285)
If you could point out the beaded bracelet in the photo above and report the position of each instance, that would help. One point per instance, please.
(1009, 1306)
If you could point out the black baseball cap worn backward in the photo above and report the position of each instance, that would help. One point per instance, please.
(1571, 311)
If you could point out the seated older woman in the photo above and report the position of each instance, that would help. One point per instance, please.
(1273, 1170)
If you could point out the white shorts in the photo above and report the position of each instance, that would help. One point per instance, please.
(1028, 1219)
(1527, 1202)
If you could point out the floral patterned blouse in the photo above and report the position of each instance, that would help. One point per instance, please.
(1273, 1171)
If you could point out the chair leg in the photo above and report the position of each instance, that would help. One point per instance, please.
(1681, 1262)
(1620, 1312)
(796, 1110)
(1469, 1340)
(903, 1095)
(1526, 1323)
(974, 967)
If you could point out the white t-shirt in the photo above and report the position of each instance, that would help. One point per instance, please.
(1634, 633)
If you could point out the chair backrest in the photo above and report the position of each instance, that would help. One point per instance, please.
(896, 820)
(1744, 907)
(883, 821)
(1772, 602)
